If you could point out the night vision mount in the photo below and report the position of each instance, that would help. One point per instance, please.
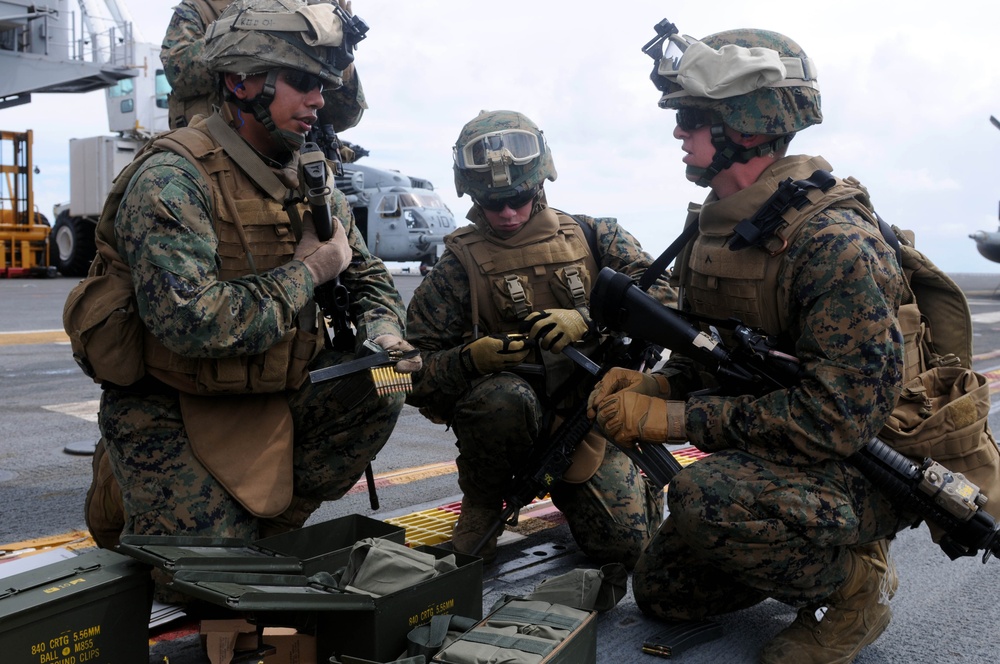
(654, 48)
(355, 30)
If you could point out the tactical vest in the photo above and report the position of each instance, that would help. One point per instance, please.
(254, 234)
(546, 265)
(942, 412)
(721, 283)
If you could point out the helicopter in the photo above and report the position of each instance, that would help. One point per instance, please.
(988, 242)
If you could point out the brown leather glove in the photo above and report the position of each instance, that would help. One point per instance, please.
(325, 260)
(392, 342)
(627, 418)
(491, 354)
(618, 379)
(554, 329)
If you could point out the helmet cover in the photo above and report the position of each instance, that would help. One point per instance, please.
(500, 155)
(758, 81)
(255, 36)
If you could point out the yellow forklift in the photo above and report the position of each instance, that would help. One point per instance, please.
(24, 232)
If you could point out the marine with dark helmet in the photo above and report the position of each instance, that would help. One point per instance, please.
(522, 267)
(774, 511)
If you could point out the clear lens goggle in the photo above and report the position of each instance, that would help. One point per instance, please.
(509, 146)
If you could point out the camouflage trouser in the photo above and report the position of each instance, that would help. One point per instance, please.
(612, 515)
(741, 530)
(167, 491)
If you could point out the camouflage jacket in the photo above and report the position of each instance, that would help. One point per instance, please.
(165, 232)
(839, 288)
(194, 89)
(439, 316)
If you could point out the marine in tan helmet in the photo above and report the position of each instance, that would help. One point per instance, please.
(774, 511)
(492, 319)
(208, 418)
(195, 90)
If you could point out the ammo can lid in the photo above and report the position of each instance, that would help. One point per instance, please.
(88, 577)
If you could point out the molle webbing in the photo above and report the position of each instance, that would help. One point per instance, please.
(254, 233)
(722, 282)
(550, 266)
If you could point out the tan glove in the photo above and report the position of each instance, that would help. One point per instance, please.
(488, 355)
(325, 260)
(554, 329)
(618, 379)
(627, 418)
(391, 342)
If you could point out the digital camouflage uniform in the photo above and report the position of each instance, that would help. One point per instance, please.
(497, 417)
(166, 232)
(772, 510)
(195, 90)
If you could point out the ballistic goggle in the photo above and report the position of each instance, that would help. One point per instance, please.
(508, 146)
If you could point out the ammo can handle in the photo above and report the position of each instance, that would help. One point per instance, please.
(10, 592)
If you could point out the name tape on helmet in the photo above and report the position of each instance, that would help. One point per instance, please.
(318, 25)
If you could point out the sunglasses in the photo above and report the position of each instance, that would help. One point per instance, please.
(514, 202)
(689, 119)
(302, 81)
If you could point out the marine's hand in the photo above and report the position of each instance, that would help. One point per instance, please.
(554, 329)
(488, 355)
(627, 418)
(325, 260)
(618, 379)
(391, 342)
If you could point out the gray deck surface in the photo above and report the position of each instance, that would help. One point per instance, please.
(944, 611)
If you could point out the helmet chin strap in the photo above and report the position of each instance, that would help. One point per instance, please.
(260, 107)
(729, 152)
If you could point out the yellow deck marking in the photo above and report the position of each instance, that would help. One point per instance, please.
(35, 337)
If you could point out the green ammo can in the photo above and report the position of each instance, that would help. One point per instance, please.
(91, 609)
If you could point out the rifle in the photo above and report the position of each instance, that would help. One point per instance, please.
(551, 456)
(332, 297)
(755, 366)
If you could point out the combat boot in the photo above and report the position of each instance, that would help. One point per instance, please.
(855, 615)
(472, 526)
(103, 509)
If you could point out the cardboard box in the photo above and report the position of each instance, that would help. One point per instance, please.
(223, 638)
(90, 609)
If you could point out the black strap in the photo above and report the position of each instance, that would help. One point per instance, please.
(758, 229)
(890, 237)
(654, 271)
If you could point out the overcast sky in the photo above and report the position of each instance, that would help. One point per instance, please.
(907, 97)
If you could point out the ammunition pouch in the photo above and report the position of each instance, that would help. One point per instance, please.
(942, 414)
(102, 321)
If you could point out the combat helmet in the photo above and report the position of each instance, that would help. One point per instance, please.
(267, 36)
(757, 82)
(501, 157)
